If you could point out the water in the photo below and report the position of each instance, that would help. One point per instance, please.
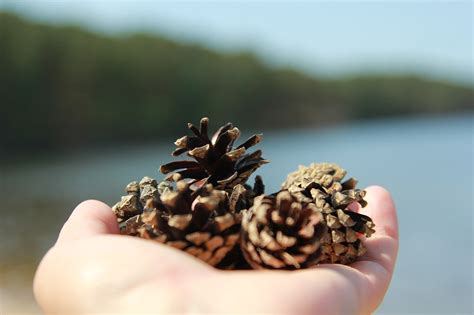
(427, 164)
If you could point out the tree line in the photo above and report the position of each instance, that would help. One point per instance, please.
(64, 87)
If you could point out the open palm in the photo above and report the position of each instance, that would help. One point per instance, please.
(93, 270)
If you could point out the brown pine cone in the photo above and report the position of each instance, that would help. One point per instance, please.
(321, 185)
(217, 162)
(280, 232)
(204, 222)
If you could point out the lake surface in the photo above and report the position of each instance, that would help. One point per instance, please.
(427, 164)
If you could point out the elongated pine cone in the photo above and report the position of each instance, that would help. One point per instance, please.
(281, 232)
(216, 161)
(321, 185)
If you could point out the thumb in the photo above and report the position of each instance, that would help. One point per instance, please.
(89, 218)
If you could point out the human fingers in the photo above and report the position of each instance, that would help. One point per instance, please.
(89, 218)
(111, 274)
(382, 247)
(381, 209)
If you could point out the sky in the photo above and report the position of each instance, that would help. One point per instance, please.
(332, 38)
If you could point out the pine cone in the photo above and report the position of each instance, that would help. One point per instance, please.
(321, 185)
(203, 222)
(280, 232)
(216, 161)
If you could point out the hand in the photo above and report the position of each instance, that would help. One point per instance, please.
(92, 269)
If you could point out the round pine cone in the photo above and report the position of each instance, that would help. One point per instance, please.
(204, 222)
(280, 232)
(321, 185)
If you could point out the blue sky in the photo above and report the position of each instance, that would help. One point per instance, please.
(334, 38)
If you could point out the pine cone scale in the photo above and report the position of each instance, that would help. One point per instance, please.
(253, 140)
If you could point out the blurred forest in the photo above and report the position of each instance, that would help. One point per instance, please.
(63, 87)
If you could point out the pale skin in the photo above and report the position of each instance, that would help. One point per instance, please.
(93, 270)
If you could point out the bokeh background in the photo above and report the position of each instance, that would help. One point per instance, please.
(93, 94)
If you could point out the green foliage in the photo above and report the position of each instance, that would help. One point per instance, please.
(64, 87)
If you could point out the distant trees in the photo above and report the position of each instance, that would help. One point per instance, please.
(64, 87)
